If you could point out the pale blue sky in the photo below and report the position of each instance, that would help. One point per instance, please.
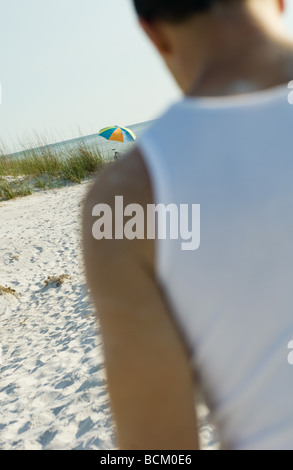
(74, 66)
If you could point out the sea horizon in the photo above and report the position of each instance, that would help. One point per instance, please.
(107, 148)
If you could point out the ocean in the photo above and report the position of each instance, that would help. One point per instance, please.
(107, 148)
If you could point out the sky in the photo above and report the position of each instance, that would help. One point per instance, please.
(71, 67)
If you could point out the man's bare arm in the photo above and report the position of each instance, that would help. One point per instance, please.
(149, 375)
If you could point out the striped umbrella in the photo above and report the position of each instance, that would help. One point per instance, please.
(117, 134)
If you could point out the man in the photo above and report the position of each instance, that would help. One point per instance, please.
(218, 317)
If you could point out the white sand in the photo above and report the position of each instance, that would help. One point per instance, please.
(52, 385)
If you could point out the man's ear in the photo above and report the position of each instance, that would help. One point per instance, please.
(156, 35)
(281, 5)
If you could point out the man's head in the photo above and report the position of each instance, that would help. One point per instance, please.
(172, 10)
(175, 11)
(188, 33)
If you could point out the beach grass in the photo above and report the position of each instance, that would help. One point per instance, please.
(7, 290)
(56, 281)
(46, 168)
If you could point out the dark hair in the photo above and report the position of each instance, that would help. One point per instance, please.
(171, 10)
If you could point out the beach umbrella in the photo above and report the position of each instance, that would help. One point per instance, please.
(117, 134)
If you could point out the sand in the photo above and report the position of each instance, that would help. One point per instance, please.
(53, 392)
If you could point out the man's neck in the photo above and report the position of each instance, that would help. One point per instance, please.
(237, 56)
(260, 69)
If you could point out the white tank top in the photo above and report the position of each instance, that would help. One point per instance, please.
(232, 297)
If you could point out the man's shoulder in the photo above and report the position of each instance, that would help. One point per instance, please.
(127, 177)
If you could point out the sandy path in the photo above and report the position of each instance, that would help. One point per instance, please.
(52, 389)
(52, 383)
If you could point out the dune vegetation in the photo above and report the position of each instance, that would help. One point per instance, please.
(45, 168)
